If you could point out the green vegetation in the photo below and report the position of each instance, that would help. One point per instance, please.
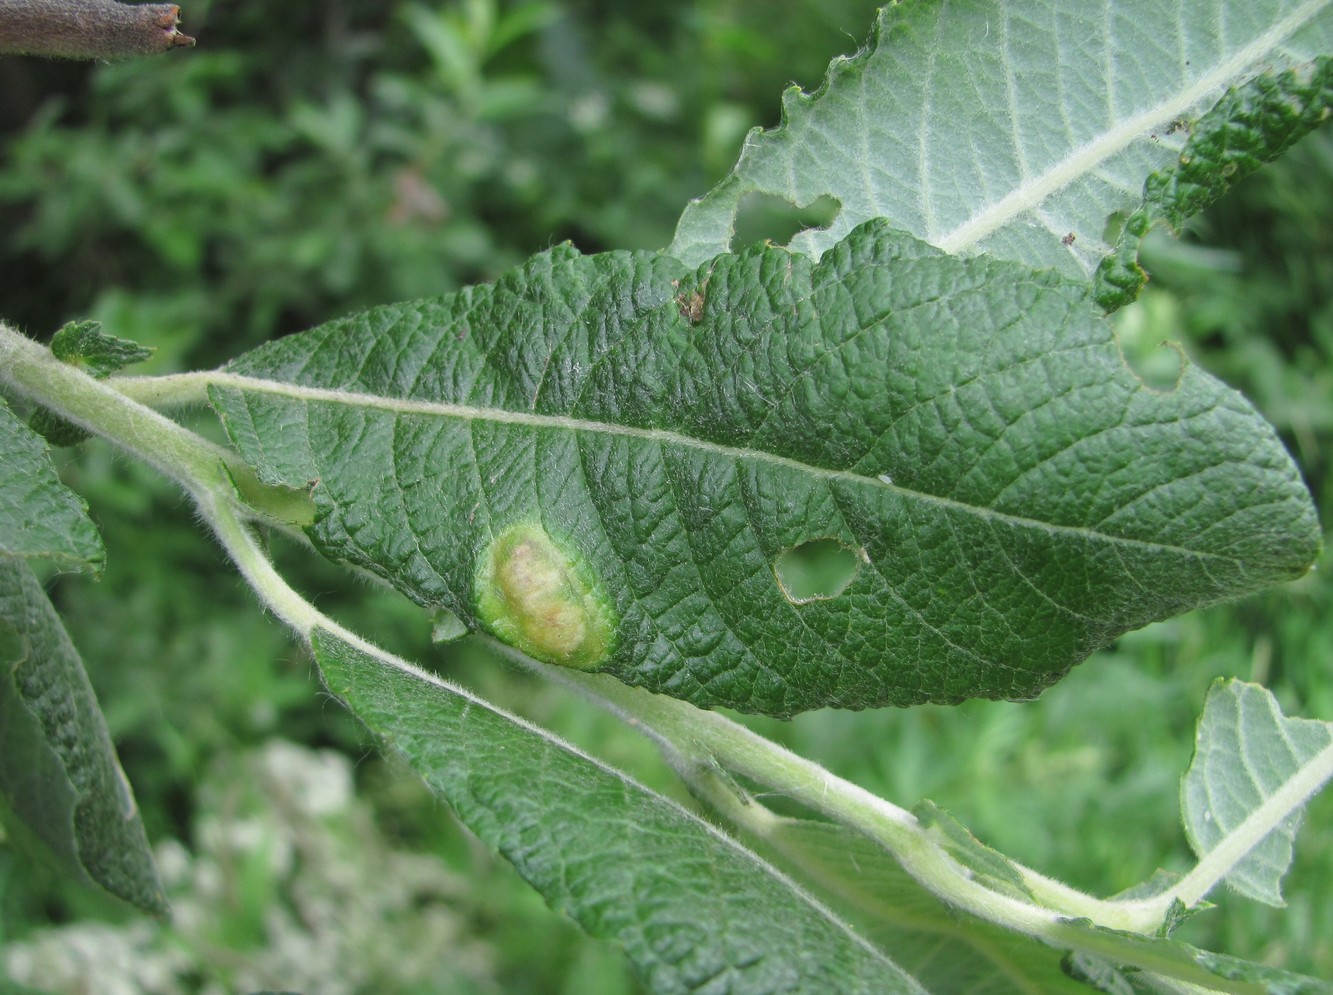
(209, 201)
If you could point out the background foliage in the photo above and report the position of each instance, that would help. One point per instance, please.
(210, 200)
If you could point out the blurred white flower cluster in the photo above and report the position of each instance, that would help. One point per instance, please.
(291, 888)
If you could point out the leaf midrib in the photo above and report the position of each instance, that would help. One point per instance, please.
(444, 409)
(1082, 160)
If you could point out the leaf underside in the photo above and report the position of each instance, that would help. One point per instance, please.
(944, 951)
(1015, 496)
(1246, 752)
(1010, 127)
(694, 911)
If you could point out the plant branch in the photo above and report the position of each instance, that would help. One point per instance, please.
(695, 741)
(88, 29)
(699, 744)
(200, 466)
(174, 390)
(29, 368)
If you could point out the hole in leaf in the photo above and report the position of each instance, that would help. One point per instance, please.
(765, 217)
(817, 570)
(446, 627)
(1115, 227)
(1142, 331)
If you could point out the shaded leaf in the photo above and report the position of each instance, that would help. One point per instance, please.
(41, 518)
(945, 951)
(1011, 127)
(989, 867)
(60, 783)
(1173, 959)
(1014, 496)
(693, 910)
(1245, 790)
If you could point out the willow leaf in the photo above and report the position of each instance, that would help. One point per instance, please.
(41, 518)
(607, 460)
(1245, 791)
(61, 785)
(695, 911)
(1012, 127)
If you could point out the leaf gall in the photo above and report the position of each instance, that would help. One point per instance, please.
(541, 600)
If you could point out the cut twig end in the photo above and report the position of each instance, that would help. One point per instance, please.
(89, 29)
(169, 21)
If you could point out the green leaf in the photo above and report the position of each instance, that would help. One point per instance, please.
(1173, 959)
(61, 784)
(1011, 127)
(1250, 126)
(692, 909)
(41, 518)
(945, 951)
(989, 867)
(81, 344)
(1014, 496)
(1245, 791)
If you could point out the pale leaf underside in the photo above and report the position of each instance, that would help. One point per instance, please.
(1015, 128)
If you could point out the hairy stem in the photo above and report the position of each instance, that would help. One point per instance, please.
(196, 464)
(695, 740)
(30, 369)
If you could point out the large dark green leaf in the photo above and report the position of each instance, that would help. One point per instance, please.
(695, 911)
(608, 460)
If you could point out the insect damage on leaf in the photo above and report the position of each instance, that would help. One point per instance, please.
(818, 570)
(538, 598)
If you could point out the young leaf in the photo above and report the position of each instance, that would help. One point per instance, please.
(60, 783)
(1013, 495)
(40, 518)
(1015, 128)
(694, 910)
(83, 344)
(1244, 792)
(1250, 126)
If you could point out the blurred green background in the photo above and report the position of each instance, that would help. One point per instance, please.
(308, 161)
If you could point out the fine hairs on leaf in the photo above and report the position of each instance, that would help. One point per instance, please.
(900, 459)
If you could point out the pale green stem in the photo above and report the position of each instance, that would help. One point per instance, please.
(193, 462)
(694, 739)
(176, 390)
